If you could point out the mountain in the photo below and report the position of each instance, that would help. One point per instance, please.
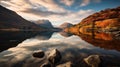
(44, 23)
(65, 25)
(102, 15)
(11, 20)
(107, 20)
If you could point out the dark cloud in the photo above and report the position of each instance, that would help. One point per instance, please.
(40, 12)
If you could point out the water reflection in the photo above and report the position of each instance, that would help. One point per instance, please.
(10, 39)
(73, 48)
(102, 40)
(65, 34)
(44, 35)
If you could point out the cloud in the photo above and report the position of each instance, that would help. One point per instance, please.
(57, 18)
(86, 2)
(50, 5)
(67, 2)
(74, 17)
(47, 9)
(19, 5)
(16, 5)
(41, 12)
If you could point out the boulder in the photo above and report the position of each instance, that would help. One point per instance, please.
(93, 60)
(38, 54)
(54, 57)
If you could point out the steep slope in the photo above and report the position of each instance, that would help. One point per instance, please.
(102, 15)
(10, 19)
(107, 20)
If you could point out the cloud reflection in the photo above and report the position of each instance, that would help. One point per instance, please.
(22, 54)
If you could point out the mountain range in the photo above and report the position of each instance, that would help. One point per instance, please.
(10, 20)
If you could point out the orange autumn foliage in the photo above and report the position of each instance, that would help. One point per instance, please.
(108, 23)
(106, 44)
(73, 30)
(102, 15)
(103, 36)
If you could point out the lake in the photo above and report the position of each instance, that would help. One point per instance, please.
(16, 48)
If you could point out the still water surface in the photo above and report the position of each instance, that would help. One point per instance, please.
(16, 48)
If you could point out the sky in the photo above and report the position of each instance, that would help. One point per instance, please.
(58, 11)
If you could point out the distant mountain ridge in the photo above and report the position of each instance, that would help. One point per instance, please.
(44, 23)
(66, 25)
(10, 19)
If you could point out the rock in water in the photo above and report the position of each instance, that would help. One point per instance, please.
(93, 60)
(38, 54)
(54, 57)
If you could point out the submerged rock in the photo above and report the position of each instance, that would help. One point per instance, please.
(39, 54)
(54, 57)
(93, 60)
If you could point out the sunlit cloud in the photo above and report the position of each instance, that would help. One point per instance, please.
(47, 9)
(72, 17)
(67, 2)
(86, 2)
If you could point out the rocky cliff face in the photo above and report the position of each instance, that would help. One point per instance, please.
(11, 20)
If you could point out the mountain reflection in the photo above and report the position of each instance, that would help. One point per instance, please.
(65, 34)
(44, 35)
(10, 39)
(102, 40)
(72, 48)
